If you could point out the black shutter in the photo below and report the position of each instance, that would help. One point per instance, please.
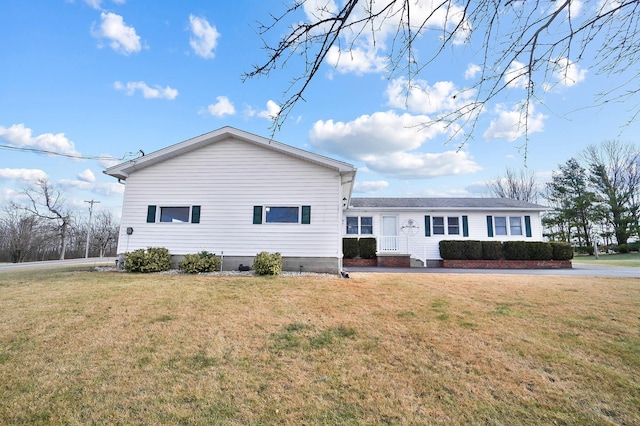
(195, 214)
(489, 226)
(257, 215)
(527, 225)
(427, 226)
(306, 215)
(151, 214)
(465, 226)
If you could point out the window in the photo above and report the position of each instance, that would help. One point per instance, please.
(515, 225)
(453, 226)
(174, 214)
(511, 225)
(282, 214)
(501, 225)
(438, 225)
(360, 225)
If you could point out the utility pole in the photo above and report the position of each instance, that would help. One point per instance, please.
(91, 203)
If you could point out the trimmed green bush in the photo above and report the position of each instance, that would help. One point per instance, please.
(515, 250)
(562, 251)
(268, 263)
(461, 250)
(622, 248)
(635, 246)
(539, 250)
(492, 250)
(200, 262)
(367, 248)
(153, 259)
(350, 248)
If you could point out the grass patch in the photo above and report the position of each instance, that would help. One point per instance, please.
(628, 260)
(80, 347)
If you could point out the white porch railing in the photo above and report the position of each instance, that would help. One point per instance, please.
(387, 244)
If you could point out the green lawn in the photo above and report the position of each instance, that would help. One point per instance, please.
(631, 260)
(83, 347)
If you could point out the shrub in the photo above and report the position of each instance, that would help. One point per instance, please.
(268, 263)
(200, 262)
(350, 247)
(367, 248)
(461, 250)
(623, 248)
(153, 259)
(635, 246)
(515, 250)
(492, 250)
(538, 250)
(561, 251)
(585, 250)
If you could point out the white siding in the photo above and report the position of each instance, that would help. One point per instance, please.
(227, 179)
(422, 247)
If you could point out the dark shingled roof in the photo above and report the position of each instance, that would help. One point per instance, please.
(445, 203)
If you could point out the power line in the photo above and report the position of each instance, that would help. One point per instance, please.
(74, 156)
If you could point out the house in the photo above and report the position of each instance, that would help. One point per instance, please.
(236, 194)
(409, 229)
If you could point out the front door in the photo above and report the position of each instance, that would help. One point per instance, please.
(389, 240)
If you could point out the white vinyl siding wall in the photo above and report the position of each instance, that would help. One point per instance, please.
(227, 179)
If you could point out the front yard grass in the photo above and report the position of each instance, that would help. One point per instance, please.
(630, 260)
(82, 347)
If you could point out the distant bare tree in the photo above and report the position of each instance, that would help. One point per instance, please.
(527, 44)
(47, 202)
(20, 233)
(520, 185)
(105, 231)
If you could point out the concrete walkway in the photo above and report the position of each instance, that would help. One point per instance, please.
(576, 271)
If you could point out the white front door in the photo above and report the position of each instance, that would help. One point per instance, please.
(389, 239)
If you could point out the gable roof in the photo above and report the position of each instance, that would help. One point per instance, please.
(122, 170)
(444, 204)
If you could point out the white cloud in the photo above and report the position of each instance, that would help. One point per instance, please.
(357, 60)
(205, 37)
(380, 133)
(222, 107)
(87, 176)
(123, 38)
(106, 189)
(271, 112)
(24, 175)
(512, 124)
(370, 186)
(97, 4)
(422, 98)
(410, 165)
(568, 72)
(156, 92)
(388, 144)
(20, 136)
(517, 75)
(472, 71)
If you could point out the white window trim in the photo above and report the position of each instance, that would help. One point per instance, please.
(359, 225)
(446, 225)
(508, 226)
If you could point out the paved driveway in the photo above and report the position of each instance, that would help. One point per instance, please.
(576, 271)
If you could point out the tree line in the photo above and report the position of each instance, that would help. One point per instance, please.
(45, 227)
(593, 197)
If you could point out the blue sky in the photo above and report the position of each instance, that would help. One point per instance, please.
(107, 78)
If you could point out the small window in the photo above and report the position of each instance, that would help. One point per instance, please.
(352, 224)
(515, 225)
(174, 214)
(438, 225)
(282, 215)
(366, 225)
(453, 224)
(501, 225)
